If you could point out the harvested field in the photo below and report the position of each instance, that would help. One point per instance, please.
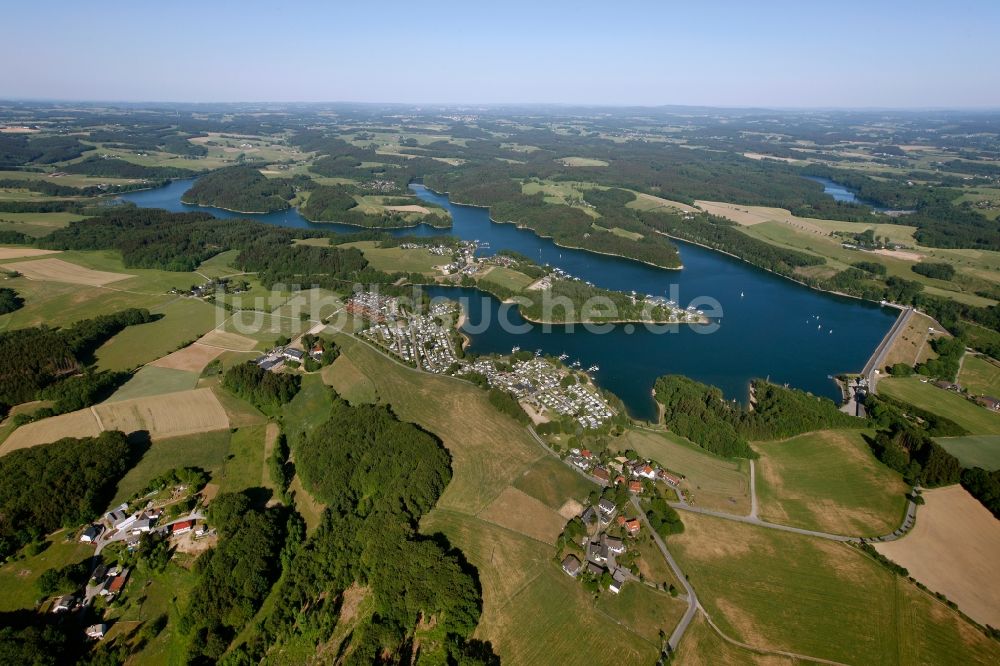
(192, 358)
(648, 202)
(75, 424)
(17, 252)
(169, 415)
(57, 270)
(913, 344)
(953, 550)
(409, 209)
(900, 254)
(152, 380)
(522, 513)
(227, 340)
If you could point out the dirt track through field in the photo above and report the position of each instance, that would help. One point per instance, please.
(17, 252)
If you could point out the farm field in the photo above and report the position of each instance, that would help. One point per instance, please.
(703, 647)
(244, 465)
(57, 270)
(522, 513)
(153, 380)
(711, 482)
(954, 528)
(36, 225)
(192, 358)
(184, 320)
(828, 481)
(913, 344)
(546, 480)
(980, 375)
(977, 420)
(18, 577)
(21, 251)
(349, 382)
(974, 450)
(532, 611)
(309, 408)
(582, 162)
(169, 415)
(391, 259)
(507, 278)
(206, 450)
(784, 591)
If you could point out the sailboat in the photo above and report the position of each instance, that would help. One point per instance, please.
(741, 294)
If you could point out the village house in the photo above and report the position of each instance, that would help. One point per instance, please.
(595, 569)
(182, 527)
(669, 478)
(119, 519)
(989, 402)
(589, 516)
(96, 631)
(620, 520)
(619, 479)
(293, 354)
(607, 507)
(90, 533)
(613, 544)
(601, 474)
(635, 486)
(618, 578)
(597, 553)
(644, 470)
(632, 526)
(64, 603)
(571, 565)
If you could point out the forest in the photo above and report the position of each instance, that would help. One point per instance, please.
(113, 167)
(33, 358)
(10, 300)
(701, 413)
(241, 188)
(261, 388)
(336, 203)
(378, 475)
(62, 484)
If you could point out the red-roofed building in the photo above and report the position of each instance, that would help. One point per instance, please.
(182, 527)
(602, 474)
(635, 486)
(632, 526)
(586, 453)
(619, 479)
(620, 520)
(669, 478)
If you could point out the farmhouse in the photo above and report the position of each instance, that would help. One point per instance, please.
(293, 354)
(618, 578)
(571, 565)
(669, 478)
(601, 474)
(64, 603)
(989, 402)
(119, 519)
(90, 534)
(97, 631)
(181, 527)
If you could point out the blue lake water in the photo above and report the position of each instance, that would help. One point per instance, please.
(770, 326)
(842, 193)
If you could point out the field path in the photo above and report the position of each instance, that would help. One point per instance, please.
(766, 651)
(753, 490)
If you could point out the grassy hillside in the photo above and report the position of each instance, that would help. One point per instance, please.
(977, 420)
(828, 481)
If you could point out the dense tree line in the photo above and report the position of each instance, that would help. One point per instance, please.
(54, 189)
(663, 518)
(241, 188)
(909, 451)
(307, 265)
(949, 358)
(234, 577)
(984, 486)
(336, 203)
(55, 485)
(113, 167)
(885, 411)
(379, 476)
(78, 391)
(19, 149)
(10, 300)
(32, 358)
(507, 404)
(264, 389)
(936, 270)
(701, 413)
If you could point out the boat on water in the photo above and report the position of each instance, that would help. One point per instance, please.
(593, 368)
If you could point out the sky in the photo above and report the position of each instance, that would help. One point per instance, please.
(763, 53)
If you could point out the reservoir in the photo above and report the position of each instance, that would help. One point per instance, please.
(842, 193)
(770, 326)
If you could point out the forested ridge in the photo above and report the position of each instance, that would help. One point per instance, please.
(336, 203)
(241, 188)
(55, 485)
(33, 358)
(702, 414)
(378, 476)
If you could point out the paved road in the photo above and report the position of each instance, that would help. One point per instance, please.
(692, 597)
(877, 359)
